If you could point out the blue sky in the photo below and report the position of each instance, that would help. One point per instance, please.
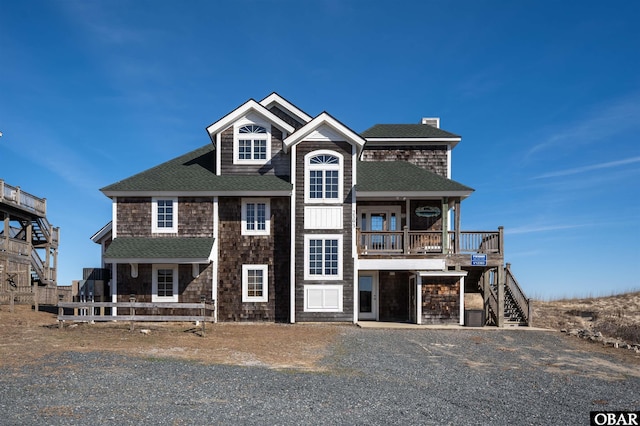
(545, 94)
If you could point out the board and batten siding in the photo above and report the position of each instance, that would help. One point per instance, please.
(345, 149)
(432, 158)
(236, 250)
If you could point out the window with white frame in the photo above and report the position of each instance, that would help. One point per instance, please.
(164, 283)
(323, 257)
(323, 177)
(164, 214)
(256, 216)
(252, 144)
(255, 283)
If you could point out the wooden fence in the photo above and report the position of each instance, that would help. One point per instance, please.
(95, 311)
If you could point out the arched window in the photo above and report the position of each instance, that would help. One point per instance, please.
(324, 177)
(253, 143)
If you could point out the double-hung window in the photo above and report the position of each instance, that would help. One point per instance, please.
(252, 144)
(323, 257)
(256, 216)
(255, 283)
(323, 177)
(164, 214)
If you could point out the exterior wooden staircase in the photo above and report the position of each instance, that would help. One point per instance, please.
(517, 308)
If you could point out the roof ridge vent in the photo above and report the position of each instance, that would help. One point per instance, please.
(431, 121)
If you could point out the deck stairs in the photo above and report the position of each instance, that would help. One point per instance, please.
(517, 307)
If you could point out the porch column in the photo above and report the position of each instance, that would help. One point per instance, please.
(418, 299)
(462, 300)
(456, 218)
(445, 225)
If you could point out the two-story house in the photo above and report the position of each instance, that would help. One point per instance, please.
(288, 217)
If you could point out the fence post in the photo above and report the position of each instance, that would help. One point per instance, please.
(405, 238)
(11, 301)
(203, 300)
(132, 310)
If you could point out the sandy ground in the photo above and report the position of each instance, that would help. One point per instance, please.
(26, 336)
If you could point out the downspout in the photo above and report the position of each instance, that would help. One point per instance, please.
(216, 257)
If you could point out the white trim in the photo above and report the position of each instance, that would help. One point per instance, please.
(247, 121)
(154, 283)
(166, 194)
(418, 298)
(103, 232)
(323, 167)
(114, 218)
(114, 288)
(462, 300)
(401, 264)
(413, 194)
(292, 249)
(286, 106)
(442, 273)
(324, 119)
(172, 260)
(244, 109)
(398, 140)
(134, 270)
(154, 215)
(449, 162)
(267, 224)
(214, 258)
(218, 154)
(322, 277)
(323, 289)
(265, 283)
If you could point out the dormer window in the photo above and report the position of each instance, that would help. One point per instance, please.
(323, 177)
(252, 144)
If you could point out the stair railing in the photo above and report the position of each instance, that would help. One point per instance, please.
(518, 295)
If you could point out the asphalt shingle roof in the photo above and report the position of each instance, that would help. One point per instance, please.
(386, 176)
(159, 248)
(401, 131)
(195, 171)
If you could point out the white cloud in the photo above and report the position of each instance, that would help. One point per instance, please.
(606, 122)
(584, 169)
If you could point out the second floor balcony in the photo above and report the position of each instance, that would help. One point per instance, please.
(412, 243)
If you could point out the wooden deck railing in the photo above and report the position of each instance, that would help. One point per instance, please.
(14, 195)
(409, 242)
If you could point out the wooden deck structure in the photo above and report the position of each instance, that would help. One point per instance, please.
(28, 249)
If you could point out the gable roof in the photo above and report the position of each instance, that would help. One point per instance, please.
(244, 109)
(194, 173)
(324, 119)
(286, 106)
(404, 131)
(141, 249)
(400, 178)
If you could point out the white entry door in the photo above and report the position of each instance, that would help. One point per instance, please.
(368, 296)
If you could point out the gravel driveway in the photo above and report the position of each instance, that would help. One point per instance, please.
(370, 376)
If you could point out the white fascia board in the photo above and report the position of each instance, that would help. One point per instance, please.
(324, 119)
(442, 141)
(274, 98)
(286, 193)
(103, 232)
(244, 109)
(413, 195)
(443, 273)
(172, 260)
(401, 265)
